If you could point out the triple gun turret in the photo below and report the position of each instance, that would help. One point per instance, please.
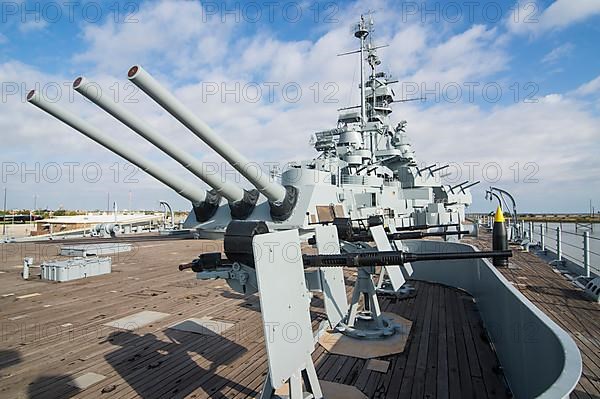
(282, 199)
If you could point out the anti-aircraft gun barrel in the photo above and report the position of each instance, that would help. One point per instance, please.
(365, 235)
(439, 168)
(412, 235)
(463, 188)
(425, 226)
(276, 193)
(238, 247)
(241, 202)
(431, 168)
(349, 233)
(458, 185)
(213, 260)
(425, 168)
(390, 258)
(189, 191)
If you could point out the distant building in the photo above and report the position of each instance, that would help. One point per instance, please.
(81, 223)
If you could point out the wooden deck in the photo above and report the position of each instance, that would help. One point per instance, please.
(565, 303)
(50, 339)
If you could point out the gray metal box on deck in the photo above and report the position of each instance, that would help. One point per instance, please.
(76, 268)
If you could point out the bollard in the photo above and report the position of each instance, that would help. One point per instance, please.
(542, 238)
(586, 253)
(499, 238)
(558, 245)
(27, 262)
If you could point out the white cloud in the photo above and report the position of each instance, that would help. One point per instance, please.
(558, 133)
(591, 87)
(530, 18)
(172, 34)
(540, 148)
(34, 143)
(33, 25)
(558, 53)
(563, 13)
(467, 56)
(552, 98)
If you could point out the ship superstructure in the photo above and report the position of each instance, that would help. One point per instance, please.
(372, 160)
(365, 166)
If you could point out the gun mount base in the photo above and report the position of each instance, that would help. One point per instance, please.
(365, 320)
(404, 292)
(283, 210)
(206, 209)
(242, 209)
(367, 327)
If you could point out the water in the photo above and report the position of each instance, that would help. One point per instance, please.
(572, 241)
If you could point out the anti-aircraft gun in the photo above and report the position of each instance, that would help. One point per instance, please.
(273, 265)
(347, 231)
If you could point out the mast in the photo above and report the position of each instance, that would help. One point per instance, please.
(361, 33)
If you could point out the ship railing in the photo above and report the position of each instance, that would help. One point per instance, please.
(568, 248)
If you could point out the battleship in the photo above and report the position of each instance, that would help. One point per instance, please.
(290, 294)
(365, 165)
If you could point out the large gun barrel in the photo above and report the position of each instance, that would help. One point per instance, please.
(237, 197)
(276, 193)
(192, 193)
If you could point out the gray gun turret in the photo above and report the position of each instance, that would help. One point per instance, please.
(204, 208)
(365, 166)
(241, 202)
(282, 199)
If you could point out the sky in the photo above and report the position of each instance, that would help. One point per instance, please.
(511, 88)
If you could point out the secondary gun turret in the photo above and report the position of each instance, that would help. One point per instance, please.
(282, 199)
(204, 208)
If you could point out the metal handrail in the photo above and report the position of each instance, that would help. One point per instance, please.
(544, 234)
